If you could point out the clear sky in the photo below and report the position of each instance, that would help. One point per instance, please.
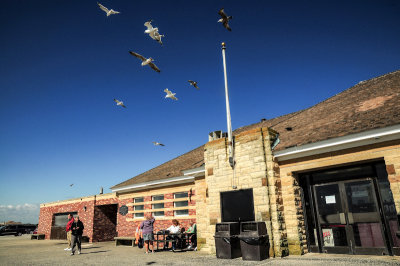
(63, 62)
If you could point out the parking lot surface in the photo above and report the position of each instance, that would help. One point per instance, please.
(23, 251)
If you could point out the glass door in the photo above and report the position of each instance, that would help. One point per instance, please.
(331, 218)
(364, 218)
(349, 218)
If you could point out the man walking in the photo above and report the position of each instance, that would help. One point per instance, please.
(68, 229)
(77, 231)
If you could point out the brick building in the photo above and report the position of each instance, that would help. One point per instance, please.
(324, 179)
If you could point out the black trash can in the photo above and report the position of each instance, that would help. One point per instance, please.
(254, 241)
(227, 243)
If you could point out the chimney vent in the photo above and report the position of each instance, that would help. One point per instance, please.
(216, 135)
(101, 190)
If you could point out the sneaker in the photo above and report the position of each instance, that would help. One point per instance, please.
(72, 254)
(79, 253)
(195, 249)
(66, 248)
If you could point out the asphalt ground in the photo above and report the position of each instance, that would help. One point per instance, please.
(23, 251)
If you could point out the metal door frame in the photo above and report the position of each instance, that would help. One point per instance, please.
(350, 248)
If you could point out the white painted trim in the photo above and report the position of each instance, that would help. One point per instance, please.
(340, 143)
(195, 171)
(156, 183)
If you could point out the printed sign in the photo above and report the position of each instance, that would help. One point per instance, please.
(330, 199)
(327, 235)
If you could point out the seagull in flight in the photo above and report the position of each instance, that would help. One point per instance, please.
(170, 95)
(224, 19)
(153, 32)
(146, 61)
(119, 103)
(194, 84)
(71, 185)
(108, 11)
(158, 143)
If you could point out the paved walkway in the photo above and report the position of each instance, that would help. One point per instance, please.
(23, 251)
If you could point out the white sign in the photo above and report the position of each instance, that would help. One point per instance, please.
(330, 199)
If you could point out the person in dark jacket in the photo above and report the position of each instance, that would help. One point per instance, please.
(77, 231)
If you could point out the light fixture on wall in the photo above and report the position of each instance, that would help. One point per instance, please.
(84, 208)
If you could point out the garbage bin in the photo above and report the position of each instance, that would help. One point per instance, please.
(254, 241)
(227, 243)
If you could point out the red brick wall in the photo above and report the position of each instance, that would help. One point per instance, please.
(47, 213)
(98, 224)
(124, 227)
(105, 223)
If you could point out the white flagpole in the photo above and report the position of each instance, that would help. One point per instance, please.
(228, 111)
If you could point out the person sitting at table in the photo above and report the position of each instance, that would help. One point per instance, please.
(193, 238)
(174, 229)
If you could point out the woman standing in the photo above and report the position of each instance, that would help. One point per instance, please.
(147, 231)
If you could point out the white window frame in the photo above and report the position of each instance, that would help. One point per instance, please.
(154, 214)
(135, 215)
(179, 215)
(134, 200)
(152, 197)
(181, 197)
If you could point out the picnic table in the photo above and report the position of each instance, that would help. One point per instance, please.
(181, 240)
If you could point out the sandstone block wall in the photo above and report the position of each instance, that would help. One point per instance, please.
(254, 169)
(293, 213)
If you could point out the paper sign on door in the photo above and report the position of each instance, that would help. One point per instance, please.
(330, 199)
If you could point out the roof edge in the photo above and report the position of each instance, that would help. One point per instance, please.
(154, 184)
(349, 141)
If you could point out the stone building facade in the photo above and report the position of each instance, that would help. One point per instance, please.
(324, 179)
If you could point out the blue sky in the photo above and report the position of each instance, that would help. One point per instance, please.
(63, 62)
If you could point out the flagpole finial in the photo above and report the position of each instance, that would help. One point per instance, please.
(223, 45)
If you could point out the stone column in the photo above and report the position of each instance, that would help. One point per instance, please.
(256, 169)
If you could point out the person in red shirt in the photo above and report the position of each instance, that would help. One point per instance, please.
(69, 232)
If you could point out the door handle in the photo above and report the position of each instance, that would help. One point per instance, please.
(350, 216)
(342, 218)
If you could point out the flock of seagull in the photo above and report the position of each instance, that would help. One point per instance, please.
(155, 35)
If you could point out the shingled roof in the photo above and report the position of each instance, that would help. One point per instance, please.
(370, 104)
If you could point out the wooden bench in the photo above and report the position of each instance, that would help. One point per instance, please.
(123, 239)
(38, 236)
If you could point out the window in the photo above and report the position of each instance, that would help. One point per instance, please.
(157, 206)
(181, 212)
(178, 204)
(138, 207)
(156, 214)
(61, 219)
(158, 197)
(139, 215)
(180, 195)
(138, 200)
(181, 203)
